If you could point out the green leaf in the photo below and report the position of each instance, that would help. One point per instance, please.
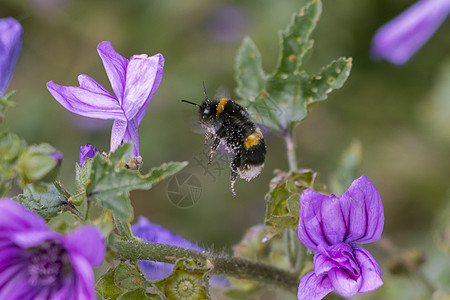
(296, 41)
(250, 76)
(45, 200)
(348, 170)
(107, 288)
(110, 184)
(332, 77)
(283, 98)
(127, 277)
(139, 294)
(11, 146)
(5, 103)
(283, 201)
(185, 281)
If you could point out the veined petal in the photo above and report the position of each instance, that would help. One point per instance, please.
(117, 134)
(356, 216)
(84, 288)
(140, 82)
(116, 68)
(132, 136)
(370, 271)
(314, 287)
(156, 82)
(310, 225)
(92, 249)
(31, 238)
(343, 283)
(10, 45)
(399, 39)
(336, 256)
(88, 100)
(365, 218)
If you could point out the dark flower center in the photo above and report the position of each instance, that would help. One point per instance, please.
(48, 264)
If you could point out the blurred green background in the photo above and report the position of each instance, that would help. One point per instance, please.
(399, 113)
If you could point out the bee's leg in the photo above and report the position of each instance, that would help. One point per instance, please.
(235, 164)
(213, 149)
(207, 137)
(233, 177)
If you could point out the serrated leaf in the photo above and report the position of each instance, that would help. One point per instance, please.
(107, 288)
(295, 40)
(139, 294)
(332, 77)
(284, 97)
(185, 281)
(283, 201)
(46, 200)
(111, 186)
(121, 155)
(250, 76)
(127, 277)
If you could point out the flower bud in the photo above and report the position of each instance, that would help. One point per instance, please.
(39, 163)
(86, 151)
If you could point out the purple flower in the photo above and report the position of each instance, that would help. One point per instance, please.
(399, 39)
(10, 45)
(134, 83)
(329, 225)
(38, 263)
(155, 233)
(86, 151)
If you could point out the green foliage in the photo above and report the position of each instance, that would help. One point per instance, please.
(110, 181)
(348, 169)
(47, 200)
(283, 200)
(186, 281)
(124, 282)
(11, 146)
(5, 103)
(284, 98)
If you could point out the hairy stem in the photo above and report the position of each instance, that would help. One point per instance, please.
(290, 147)
(222, 264)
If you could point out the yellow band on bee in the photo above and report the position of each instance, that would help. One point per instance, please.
(221, 105)
(253, 139)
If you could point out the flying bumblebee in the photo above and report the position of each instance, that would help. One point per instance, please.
(228, 123)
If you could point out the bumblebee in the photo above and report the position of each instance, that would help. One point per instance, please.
(226, 122)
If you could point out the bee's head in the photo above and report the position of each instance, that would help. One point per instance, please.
(207, 111)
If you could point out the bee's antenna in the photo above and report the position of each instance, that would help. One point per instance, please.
(186, 101)
(204, 90)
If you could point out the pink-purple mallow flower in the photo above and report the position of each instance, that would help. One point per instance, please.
(38, 263)
(134, 83)
(86, 151)
(155, 233)
(10, 45)
(330, 226)
(399, 39)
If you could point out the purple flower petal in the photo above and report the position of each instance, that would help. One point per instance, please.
(87, 102)
(10, 45)
(343, 283)
(356, 216)
(15, 217)
(158, 77)
(116, 68)
(141, 74)
(338, 256)
(313, 287)
(370, 271)
(132, 136)
(86, 151)
(366, 216)
(118, 131)
(43, 263)
(399, 39)
(93, 247)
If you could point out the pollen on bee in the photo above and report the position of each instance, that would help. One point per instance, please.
(221, 105)
(253, 139)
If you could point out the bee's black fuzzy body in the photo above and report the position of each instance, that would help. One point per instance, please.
(226, 121)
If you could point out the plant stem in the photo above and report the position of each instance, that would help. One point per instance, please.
(290, 147)
(222, 264)
(123, 228)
